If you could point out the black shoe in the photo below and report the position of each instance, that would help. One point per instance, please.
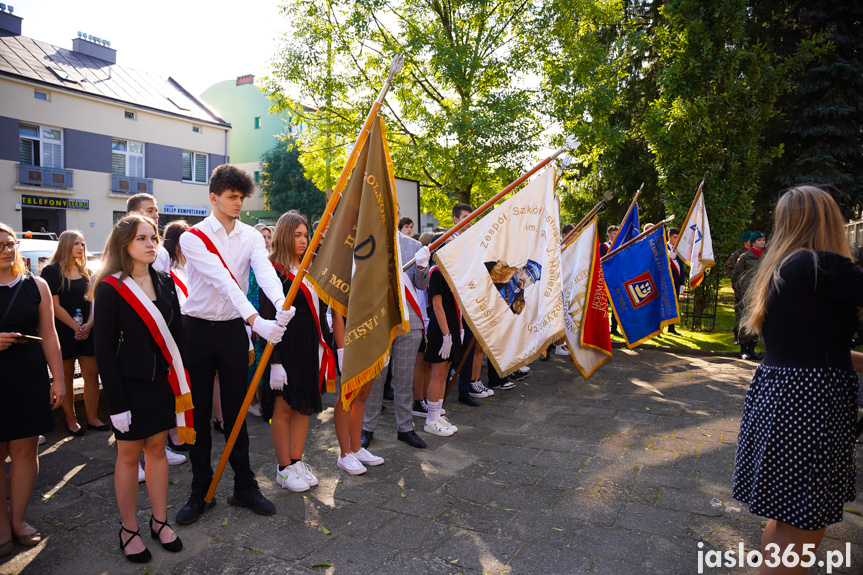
(78, 433)
(366, 438)
(142, 557)
(411, 438)
(177, 446)
(218, 425)
(194, 508)
(254, 500)
(103, 427)
(420, 408)
(468, 400)
(514, 376)
(672, 330)
(172, 546)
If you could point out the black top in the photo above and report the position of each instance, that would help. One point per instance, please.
(124, 347)
(809, 323)
(71, 293)
(438, 286)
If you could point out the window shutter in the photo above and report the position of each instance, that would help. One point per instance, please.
(25, 152)
(136, 166)
(200, 168)
(52, 155)
(187, 166)
(118, 164)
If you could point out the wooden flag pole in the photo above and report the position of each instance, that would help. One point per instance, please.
(692, 207)
(574, 232)
(304, 266)
(636, 238)
(477, 212)
(465, 355)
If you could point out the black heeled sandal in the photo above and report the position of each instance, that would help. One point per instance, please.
(142, 557)
(218, 425)
(173, 546)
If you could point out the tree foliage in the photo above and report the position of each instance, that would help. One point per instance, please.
(285, 185)
(459, 117)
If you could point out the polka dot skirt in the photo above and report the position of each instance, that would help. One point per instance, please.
(795, 450)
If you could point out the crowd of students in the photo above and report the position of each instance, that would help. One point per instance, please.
(170, 334)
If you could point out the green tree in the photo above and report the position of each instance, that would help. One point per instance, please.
(460, 118)
(285, 185)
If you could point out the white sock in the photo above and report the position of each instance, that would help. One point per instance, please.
(434, 410)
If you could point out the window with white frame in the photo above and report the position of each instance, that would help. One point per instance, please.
(127, 158)
(195, 167)
(40, 146)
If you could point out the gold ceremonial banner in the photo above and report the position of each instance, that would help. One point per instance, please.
(357, 270)
(505, 272)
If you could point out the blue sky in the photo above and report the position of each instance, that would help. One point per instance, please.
(197, 42)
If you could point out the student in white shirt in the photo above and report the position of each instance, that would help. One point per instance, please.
(219, 252)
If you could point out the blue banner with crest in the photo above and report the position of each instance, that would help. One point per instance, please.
(641, 289)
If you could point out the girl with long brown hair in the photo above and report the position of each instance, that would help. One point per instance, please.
(146, 385)
(795, 459)
(28, 345)
(69, 280)
(295, 365)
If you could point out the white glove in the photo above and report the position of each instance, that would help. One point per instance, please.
(682, 288)
(422, 257)
(278, 376)
(122, 421)
(284, 316)
(268, 329)
(340, 353)
(446, 346)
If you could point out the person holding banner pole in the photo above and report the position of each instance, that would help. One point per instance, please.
(219, 252)
(138, 324)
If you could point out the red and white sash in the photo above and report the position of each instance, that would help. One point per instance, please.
(182, 288)
(412, 298)
(327, 370)
(211, 247)
(178, 377)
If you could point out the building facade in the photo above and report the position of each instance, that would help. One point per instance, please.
(80, 134)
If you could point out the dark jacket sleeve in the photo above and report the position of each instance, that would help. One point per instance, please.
(175, 323)
(106, 333)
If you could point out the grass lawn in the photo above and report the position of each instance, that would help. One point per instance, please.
(720, 339)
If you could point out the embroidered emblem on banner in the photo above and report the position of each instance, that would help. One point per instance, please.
(641, 289)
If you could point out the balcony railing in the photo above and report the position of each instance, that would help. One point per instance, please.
(39, 176)
(131, 186)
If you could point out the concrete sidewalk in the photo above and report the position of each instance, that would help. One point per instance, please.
(623, 474)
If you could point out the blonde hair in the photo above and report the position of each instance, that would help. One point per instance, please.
(18, 266)
(282, 252)
(806, 219)
(117, 258)
(63, 255)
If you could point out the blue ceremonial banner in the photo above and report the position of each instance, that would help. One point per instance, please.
(640, 288)
(629, 229)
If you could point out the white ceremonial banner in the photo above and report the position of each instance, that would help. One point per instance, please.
(505, 273)
(694, 245)
(578, 262)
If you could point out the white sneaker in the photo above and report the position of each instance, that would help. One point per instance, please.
(448, 423)
(141, 476)
(289, 478)
(174, 458)
(255, 410)
(561, 350)
(507, 384)
(42, 439)
(367, 458)
(524, 369)
(478, 390)
(305, 472)
(351, 464)
(438, 427)
(490, 392)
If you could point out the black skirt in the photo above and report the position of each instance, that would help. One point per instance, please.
(795, 452)
(152, 406)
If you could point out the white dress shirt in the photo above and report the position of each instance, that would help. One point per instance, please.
(213, 294)
(163, 260)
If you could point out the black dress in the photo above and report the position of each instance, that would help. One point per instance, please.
(133, 370)
(795, 451)
(438, 286)
(72, 295)
(298, 352)
(25, 408)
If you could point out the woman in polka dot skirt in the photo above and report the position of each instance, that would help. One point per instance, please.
(795, 451)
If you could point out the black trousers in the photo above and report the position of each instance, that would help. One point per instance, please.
(466, 373)
(218, 346)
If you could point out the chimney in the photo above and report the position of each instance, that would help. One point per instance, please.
(8, 21)
(247, 79)
(94, 47)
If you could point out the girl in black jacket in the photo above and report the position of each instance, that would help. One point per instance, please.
(135, 375)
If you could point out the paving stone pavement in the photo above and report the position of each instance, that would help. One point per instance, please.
(627, 473)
